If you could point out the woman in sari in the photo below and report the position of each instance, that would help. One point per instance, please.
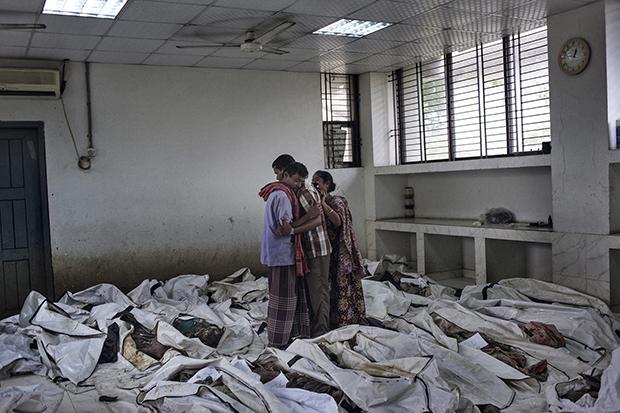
(346, 269)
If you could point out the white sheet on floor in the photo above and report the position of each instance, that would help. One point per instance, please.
(36, 398)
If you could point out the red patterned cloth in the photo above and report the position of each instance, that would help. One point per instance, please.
(545, 334)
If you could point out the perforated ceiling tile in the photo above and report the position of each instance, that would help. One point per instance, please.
(403, 33)
(409, 50)
(320, 42)
(201, 2)
(238, 18)
(143, 30)
(75, 25)
(534, 10)
(420, 37)
(169, 47)
(15, 38)
(443, 17)
(305, 67)
(306, 24)
(540, 9)
(271, 5)
(236, 52)
(436, 45)
(391, 11)
(117, 57)
(365, 45)
(501, 25)
(224, 62)
(121, 44)
(330, 8)
(451, 38)
(64, 41)
(293, 54)
(485, 6)
(17, 17)
(560, 6)
(262, 64)
(58, 54)
(11, 51)
(172, 60)
(150, 11)
(206, 34)
(340, 57)
(359, 69)
(383, 60)
(28, 6)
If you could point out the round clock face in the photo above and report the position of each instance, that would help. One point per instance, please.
(574, 56)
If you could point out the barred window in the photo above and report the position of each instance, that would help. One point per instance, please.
(490, 100)
(341, 141)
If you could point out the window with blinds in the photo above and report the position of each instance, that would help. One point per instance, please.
(490, 100)
(341, 142)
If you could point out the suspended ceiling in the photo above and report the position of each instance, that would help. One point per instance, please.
(147, 31)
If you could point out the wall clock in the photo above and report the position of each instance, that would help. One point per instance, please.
(574, 56)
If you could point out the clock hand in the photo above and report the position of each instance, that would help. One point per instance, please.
(575, 54)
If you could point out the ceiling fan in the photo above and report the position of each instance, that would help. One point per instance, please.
(251, 43)
(21, 26)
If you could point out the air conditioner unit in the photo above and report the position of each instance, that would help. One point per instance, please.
(40, 83)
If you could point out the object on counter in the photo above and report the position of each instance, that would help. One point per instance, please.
(409, 202)
(498, 216)
(542, 224)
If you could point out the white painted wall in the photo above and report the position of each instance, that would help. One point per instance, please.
(612, 28)
(468, 194)
(579, 126)
(181, 155)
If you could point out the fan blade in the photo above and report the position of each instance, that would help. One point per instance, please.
(21, 26)
(205, 45)
(273, 50)
(274, 32)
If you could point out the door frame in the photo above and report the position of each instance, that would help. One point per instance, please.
(45, 220)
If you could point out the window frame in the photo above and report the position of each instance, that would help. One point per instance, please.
(329, 146)
(515, 134)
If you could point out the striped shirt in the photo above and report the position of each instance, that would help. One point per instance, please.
(315, 242)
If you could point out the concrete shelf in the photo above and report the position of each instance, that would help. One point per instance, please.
(465, 251)
(614, 156)
(524, 161)
(466, 228)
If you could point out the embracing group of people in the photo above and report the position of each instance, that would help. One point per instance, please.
(308, 243)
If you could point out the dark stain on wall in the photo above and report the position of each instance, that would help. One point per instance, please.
(128, 269)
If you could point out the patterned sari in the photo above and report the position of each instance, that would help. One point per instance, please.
(346, 269)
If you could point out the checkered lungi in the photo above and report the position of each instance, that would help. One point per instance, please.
(287, 312)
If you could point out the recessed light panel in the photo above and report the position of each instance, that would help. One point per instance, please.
(352, 28)
(103, 9)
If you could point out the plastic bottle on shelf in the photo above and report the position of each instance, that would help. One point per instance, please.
(409, 202)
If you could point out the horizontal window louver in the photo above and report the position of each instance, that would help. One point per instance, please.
(490, 100)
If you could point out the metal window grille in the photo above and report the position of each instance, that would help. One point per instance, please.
(341, 141)
(490, 100)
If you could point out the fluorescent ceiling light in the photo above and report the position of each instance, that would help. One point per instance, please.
(352, 28)
(103, 9)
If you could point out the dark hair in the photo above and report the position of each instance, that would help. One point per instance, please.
(327, 177)
(283, 161)
(296, 168)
